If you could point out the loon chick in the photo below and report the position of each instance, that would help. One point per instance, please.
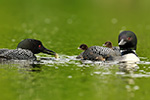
(97, 53)
(25, 50)
(82, 47)
(127, 42)
(109, 45)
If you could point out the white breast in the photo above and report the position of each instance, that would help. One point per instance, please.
(130, 58)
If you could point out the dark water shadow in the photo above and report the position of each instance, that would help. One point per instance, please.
(26, 65)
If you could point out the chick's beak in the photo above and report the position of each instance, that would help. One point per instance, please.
(78, 48)
(104, 44)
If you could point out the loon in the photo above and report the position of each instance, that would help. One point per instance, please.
(109, 45)
(97, 53)
(25, 50)
(127, 42)
(82, 47)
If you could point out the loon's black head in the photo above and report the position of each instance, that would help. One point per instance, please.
(127, 40)
(83, 47)
(35, 46)
(108, 44)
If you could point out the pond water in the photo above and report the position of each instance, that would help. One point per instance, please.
(69, 78)
(62, 25)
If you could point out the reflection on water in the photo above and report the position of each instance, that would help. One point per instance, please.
(125, 68)
(128, 77)
(131, 86)
(128, 67)
(127, 72)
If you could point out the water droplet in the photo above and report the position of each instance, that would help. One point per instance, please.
(114, 20)
(123, 28)
(69, 76)
(47, 20)
(72, 69)
(13, 40)
(120, 73)
(106, 73)
(127, 86)
(28, 31)
(80, 65)
(97, 72)
(69, 21)
(24, 25)
(136, 87)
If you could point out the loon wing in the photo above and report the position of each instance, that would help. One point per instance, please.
(3, 50)
(18, 54)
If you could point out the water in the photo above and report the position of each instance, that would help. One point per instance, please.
(62, 25)
(68, 75)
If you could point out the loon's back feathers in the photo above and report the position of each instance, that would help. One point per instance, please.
(116, 48)
(102, 50)
(18, 54)
(3, 50)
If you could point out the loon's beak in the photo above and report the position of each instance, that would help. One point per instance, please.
(50, 52)
(122, 42)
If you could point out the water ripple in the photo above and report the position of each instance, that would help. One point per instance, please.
(99, 67)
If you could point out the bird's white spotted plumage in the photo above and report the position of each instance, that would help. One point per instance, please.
(97, 52)
(18, 54)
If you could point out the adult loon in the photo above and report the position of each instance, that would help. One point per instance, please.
(127, 42)
(25, 50)
(97, 53)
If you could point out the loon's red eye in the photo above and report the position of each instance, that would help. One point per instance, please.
(129, 38)
(39, 46)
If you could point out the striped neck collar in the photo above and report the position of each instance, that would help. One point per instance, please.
(124, 52)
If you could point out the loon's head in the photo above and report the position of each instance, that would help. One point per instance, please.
(35, 46)
(108, 44)
(83, 47)
(127, 40)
